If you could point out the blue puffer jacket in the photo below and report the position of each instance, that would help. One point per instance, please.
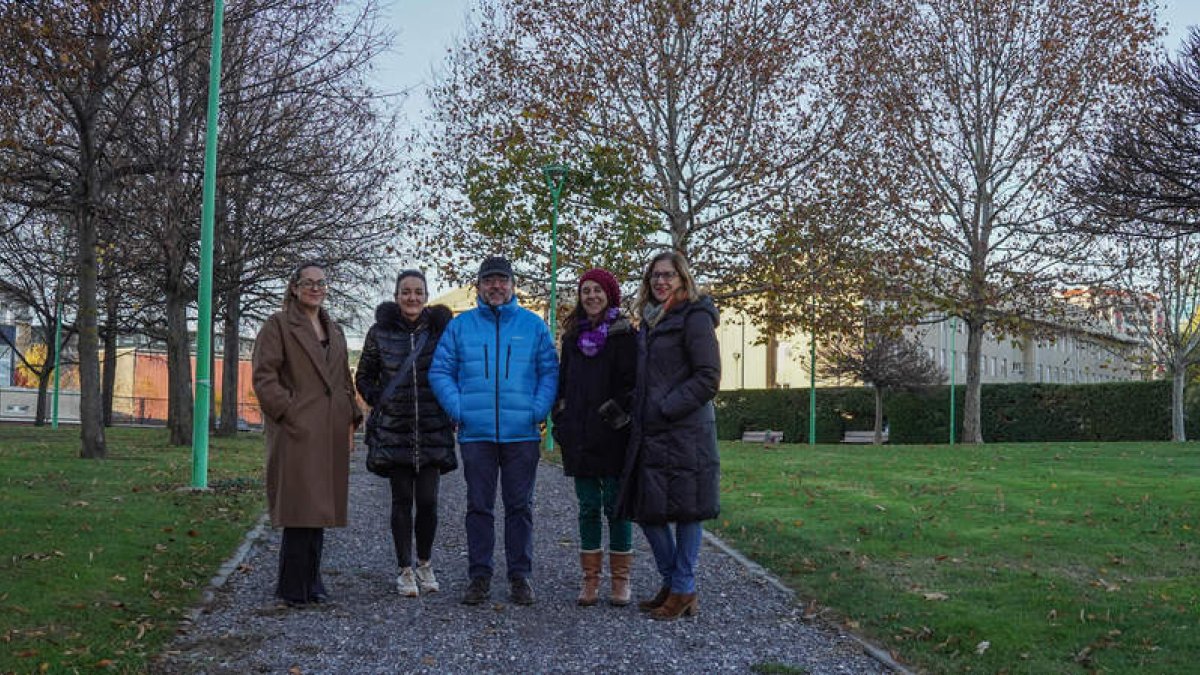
(495, 372)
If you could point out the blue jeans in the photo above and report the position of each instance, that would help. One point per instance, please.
(676, 554)
(515, 464)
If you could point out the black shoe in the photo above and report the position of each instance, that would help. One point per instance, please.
(477, 591)
(521, 592)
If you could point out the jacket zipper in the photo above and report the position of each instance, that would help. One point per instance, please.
(497, 406)
(416, 407)
(508, 362)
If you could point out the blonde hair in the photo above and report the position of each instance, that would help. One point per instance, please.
(687, 291)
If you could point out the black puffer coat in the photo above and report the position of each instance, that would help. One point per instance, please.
(672, 471)
(591, 448)
(411, 419)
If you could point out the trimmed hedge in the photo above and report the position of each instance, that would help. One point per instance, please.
(1116, 411)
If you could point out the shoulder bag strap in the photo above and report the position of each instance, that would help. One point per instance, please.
(408, 362)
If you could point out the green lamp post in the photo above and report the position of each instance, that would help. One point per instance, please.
(200, 409)
(556, 176)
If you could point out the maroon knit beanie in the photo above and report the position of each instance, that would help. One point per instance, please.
(608, 283)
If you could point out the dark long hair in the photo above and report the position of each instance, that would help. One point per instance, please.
(288, 296)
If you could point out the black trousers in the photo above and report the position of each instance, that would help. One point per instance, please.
(300, 565)
(409, 486)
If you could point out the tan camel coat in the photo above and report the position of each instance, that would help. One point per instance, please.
(308, 405)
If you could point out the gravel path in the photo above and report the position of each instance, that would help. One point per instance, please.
(744, 619)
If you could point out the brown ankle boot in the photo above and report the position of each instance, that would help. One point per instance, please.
(618, 567)
(677, 605)
(591, 562)
(654, 603)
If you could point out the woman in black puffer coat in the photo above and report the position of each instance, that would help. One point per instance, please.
(411, 423)
(672, 471)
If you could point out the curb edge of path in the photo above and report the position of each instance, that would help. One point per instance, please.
(227, 568)
(874, 651)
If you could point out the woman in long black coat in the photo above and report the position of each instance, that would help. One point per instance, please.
(591, 424)
(672, 475)
(410, 425)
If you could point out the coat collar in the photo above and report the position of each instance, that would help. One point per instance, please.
(302, 331)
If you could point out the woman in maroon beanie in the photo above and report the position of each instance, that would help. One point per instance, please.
(595, 389)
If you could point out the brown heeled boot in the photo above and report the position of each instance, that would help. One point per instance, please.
(657, 601)
(618, 567)
(591, 562)
(677, 605)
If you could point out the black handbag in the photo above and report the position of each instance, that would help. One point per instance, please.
(382, 459)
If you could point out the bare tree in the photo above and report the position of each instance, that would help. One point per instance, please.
(1139, 190)
(884, 361)
(71, 70)
(36, 256)
(1141, 181)
(982, 107)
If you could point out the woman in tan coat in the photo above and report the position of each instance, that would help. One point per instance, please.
(302, 381)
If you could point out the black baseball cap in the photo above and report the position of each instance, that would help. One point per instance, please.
(495, 265)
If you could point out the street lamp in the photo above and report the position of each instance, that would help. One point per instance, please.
(556, 176)
(201, 404)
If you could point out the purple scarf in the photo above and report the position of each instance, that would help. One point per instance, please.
(591, 340)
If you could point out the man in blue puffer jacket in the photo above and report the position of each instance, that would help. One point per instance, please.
(495, 372)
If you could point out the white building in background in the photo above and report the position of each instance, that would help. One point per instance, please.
(752, 360)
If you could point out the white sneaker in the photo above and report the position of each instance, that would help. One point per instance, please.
(406, 583)
(426, 580)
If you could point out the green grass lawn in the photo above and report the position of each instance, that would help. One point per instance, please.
(100, 559)
(1021, 558)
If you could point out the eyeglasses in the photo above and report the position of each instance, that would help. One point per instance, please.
(663, 276)
(496, 280)
(309, 284)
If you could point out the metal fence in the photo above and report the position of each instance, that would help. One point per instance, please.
(18, 404)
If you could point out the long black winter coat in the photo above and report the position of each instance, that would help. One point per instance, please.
(673, 472)
(411, 419)
(591, 448)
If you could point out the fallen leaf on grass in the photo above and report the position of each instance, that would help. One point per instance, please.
(982, 647)
(936, 595)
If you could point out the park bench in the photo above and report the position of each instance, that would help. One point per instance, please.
(863, 437)
(765, 437)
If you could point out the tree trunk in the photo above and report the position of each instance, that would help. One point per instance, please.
(229, 369)
(47, 371)
(878, 415)
(1178, 380)
(972, 431)
(179, 371)
(91, 414)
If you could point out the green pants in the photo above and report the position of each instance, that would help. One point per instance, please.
(599, 496)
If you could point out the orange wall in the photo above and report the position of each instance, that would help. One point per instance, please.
(150, 385)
